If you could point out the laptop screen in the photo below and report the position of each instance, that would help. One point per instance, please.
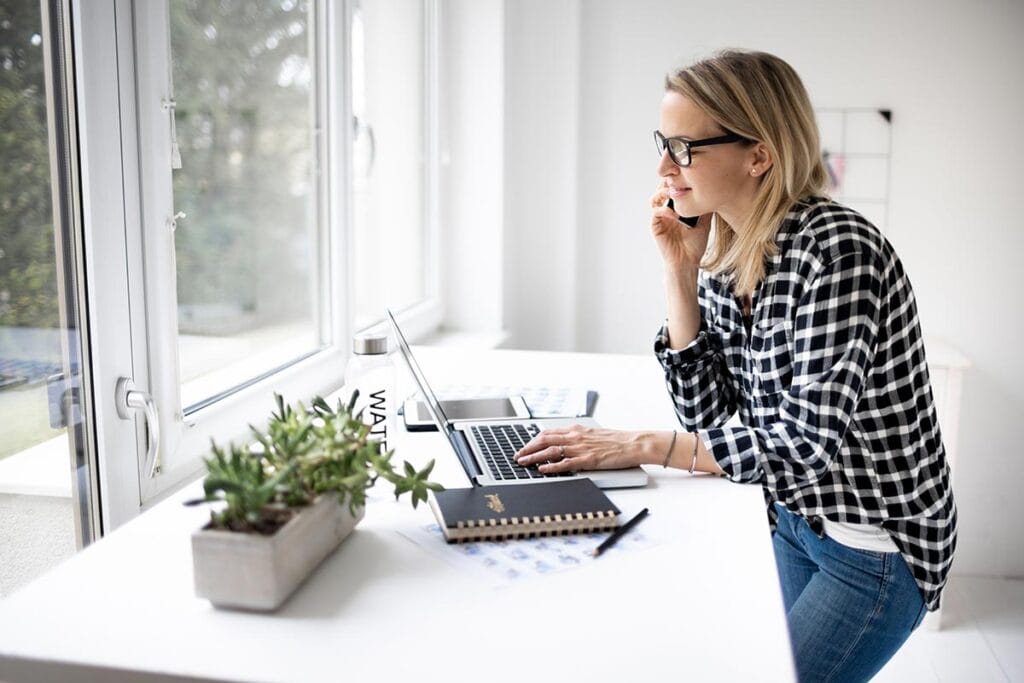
(428, 394)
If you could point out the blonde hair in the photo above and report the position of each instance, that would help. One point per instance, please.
(761, 97)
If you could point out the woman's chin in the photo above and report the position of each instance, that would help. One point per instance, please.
(687, 207)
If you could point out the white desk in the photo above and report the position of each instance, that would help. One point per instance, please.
(703, 603)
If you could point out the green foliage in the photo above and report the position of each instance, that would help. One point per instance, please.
(28, 274)
(304, 453)
(245, 123)
(244, 86)
(241, 479)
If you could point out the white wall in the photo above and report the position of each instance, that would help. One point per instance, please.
(541, 209)
(951, 73)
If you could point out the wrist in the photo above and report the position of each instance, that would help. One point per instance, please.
(684, 273)
(651, 447)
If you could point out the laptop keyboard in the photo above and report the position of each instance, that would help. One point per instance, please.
(499, 444)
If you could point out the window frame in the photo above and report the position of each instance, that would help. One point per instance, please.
(128, 195)
(102, 36)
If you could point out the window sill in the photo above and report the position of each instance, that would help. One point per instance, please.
(42, 470)
(446, 338)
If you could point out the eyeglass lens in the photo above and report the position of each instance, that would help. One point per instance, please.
(678, 150)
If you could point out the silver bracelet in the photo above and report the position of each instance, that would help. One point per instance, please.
(693, 463)
(671, 447)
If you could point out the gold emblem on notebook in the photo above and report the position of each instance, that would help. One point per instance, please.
(494, 503)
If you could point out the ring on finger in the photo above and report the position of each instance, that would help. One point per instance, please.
(561, 451)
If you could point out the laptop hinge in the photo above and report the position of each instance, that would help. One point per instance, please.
(465, 453)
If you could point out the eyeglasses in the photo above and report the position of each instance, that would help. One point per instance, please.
(679, 148)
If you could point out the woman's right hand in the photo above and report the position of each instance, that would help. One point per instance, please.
(680, 245)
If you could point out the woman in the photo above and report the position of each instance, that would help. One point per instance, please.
(801, 321)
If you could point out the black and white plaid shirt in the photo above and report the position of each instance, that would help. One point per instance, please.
(831, 387)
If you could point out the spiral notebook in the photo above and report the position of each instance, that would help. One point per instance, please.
(489, 513)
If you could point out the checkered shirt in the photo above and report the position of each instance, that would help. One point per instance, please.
(830, 383)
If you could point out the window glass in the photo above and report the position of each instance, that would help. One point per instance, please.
(388, 101)
(248, 249)
(39, 351)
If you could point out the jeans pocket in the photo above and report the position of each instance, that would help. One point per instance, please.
(868, 561)
(873, 554)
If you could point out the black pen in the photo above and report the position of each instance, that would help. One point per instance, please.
(620, 532)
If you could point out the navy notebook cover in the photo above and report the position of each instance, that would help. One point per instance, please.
(535, 509)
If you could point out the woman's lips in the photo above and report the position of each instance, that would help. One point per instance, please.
(675, 192)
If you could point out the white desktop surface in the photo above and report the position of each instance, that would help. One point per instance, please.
(702, 603)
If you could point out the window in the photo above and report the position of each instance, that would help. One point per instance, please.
(393, 100)
(247, 164)
(47, 483)
(260, 145)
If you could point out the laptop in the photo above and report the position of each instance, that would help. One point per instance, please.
(486, 448)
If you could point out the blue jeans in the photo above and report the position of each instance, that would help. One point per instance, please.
(848, 610)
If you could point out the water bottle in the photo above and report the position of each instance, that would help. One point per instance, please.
(371, 371)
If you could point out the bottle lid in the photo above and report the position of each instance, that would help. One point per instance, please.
(370, 344)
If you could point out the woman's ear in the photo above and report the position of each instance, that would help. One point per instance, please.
(761, 159)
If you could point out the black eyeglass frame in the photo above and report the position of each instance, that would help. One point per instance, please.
(662, 144)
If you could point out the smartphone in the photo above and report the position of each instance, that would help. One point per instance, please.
(418, 419)
(689, 220)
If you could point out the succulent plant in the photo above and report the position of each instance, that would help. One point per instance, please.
(302, 453)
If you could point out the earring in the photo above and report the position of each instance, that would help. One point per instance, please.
(753, 171)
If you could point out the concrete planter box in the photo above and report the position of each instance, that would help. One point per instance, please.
(256, 572)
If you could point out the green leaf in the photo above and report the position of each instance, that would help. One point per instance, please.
(211, 485)
(425, 472)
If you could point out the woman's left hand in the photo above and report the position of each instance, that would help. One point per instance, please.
(575, 448)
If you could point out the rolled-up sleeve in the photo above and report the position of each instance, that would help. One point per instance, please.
(704, 390)
(833, 345)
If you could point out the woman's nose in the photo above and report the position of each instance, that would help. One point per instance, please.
(666, 166)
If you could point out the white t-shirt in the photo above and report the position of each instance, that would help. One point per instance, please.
(860, 536)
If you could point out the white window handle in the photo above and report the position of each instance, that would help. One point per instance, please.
(127, 398)
(169, 105)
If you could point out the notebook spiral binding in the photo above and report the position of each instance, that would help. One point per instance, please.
(526, 527)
